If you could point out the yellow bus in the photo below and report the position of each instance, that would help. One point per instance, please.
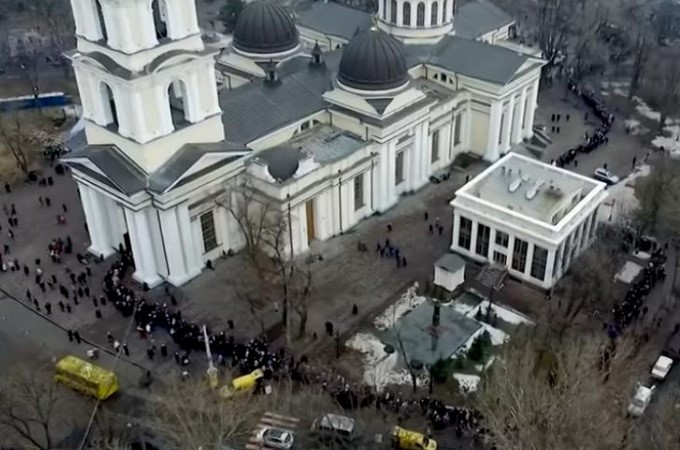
(86, 377)
(244, 383)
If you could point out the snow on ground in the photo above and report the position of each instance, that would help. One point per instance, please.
(622, 195)
(380, 368)
(633, 126)
(461, 307)
(670, 141)
(628, 272)
(644, 110)
(395, 311)
(468, 383)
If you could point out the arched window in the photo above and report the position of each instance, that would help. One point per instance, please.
(446, 19)
(177, 98)
(160, 17)
(420, 15)
(407, 14)
(393, 11)
(102, 24)
(434, 14)
(109, 106)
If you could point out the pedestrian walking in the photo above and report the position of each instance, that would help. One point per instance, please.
(61, 305)
(63, 207)
(126, 350)
(36, 304)
(76, 336)
(116, 346)
(177, 357)
(634, 162)
(48, 308)
(355, 309)
(164, 350)
(70, 335)
(98, 313)
(109, 337)
(8, 188)
(150, 353)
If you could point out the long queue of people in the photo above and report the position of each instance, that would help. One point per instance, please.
(257, 354)
(599, 136)
(631, 306)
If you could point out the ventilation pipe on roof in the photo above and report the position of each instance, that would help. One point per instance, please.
(270, 70)
(317, 55)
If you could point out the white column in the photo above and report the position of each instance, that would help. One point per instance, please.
(517, 132)
(95, 223)
(509, 121)
(548, 279)
(511, 249)
(473, 237)
(428, 13)
(456, 230)
(147, 35)
(414, 13)
(492, 244)
(495, 112)
(529, 260)
(441, 14)
(174, 251)
(533, 98)
(146, 270)
(194, 261)
(400, 12)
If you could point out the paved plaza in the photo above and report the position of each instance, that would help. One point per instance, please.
(343, 278)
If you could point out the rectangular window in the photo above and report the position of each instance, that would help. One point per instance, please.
(399, 169)
(519, 255)
(502, 238)
(500, 258)
(482, 245)
(208, 229)
(358, 191)
(539, 262)
(456, 131)
(435, 146)
(465, 233)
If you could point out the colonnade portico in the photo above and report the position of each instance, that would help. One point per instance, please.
(511, 120)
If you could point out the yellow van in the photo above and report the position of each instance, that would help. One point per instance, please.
(411, 440)
(86, 377)
(245, 383)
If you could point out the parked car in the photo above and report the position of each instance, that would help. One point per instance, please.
(672, 348)
(662, 367)
(603, 174)
(275, 438)
(640, 401)
(335, 427)
(404, 439)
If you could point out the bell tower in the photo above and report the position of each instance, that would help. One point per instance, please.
(416, 21)
(146, 82)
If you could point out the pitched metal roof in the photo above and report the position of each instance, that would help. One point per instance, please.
(258, 108)
(478, 17)
(474, 59)
(333, 19)
(166, 175)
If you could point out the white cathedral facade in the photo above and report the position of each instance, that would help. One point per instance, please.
(326, 137)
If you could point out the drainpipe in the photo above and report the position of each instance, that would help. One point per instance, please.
(372, 170)
(340, 199)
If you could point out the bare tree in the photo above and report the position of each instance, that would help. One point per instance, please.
(635, 17)
(30, 407)
(588, 287)
(16, 137)
(554, 18)
(660, 428)
(560, 394)
(589, 52)
(661, 86)
(658, 209)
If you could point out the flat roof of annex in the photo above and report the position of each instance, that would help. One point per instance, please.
(532, 190)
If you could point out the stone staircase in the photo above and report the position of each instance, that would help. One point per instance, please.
(538, 142)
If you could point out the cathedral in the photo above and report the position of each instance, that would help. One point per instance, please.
(328, 113)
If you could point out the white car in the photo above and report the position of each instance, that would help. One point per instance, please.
(603, 174)
(275, 438)
(640, 401)
(662, 367)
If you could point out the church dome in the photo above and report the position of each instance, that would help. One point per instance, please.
(265, 28)
(373, 61)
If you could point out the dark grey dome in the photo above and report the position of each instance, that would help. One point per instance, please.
(282, 162)
(374, 61)
(265, 28)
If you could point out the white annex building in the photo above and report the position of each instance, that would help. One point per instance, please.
(326, 137)
(529, 216)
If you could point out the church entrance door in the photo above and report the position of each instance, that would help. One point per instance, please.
(311, 231)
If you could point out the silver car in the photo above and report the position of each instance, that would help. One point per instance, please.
(276, 438)
(603, 174)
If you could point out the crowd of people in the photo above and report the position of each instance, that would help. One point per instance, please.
(631, 306)
(258, 354)
(599, 136)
